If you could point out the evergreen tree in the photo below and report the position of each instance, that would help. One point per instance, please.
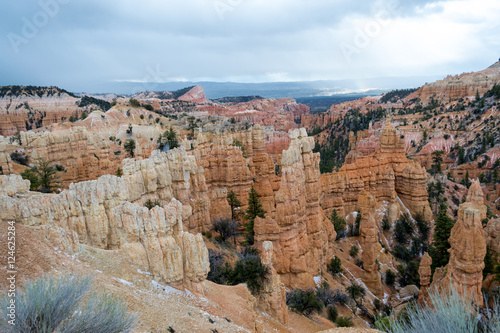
(130, 147)
(232, 200)
(43, 176)
(254, 210)
(437, 159)
(168, 140)
(461, 156)
(440, 245)
(357, 223)
(338, 223)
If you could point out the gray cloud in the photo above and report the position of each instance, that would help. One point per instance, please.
(91, 42)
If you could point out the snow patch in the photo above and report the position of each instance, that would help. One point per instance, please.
(317, 280)
(123, 281)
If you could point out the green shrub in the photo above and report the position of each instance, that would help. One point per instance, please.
(43, 176)
(335, 266)
(332, 313)
(339, 224)
(356, 291)
(220, 270)
(149, 204)
(19, 158)
(408, 274)
(133, 102)
(385, 224)
(353, 252)
(65, 304)
(250, 270)
(304, 301)
(358, 262)
(344, 322)
(390, 278)
(129, 147)
(357, 222)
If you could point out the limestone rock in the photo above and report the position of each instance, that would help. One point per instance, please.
(272, 298)
(410, 290)
(12, 185)
(108, 213)
(425, 273)
(468, 248)
(369, 239)
(302, 236)
(388, 174)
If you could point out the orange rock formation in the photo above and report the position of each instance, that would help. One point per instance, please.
(369, 239)
(425, 273)
(468, 248)
(388, 174)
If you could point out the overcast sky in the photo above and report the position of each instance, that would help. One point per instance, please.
(77, 43)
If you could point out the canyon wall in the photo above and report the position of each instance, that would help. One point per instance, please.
(108, 213)
(459, 86)
(468, 248)
(387, 174)
(301, 234)
(22, 113)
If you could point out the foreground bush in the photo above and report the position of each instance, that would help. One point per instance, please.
(249, 269)
(344, 322)
(65, 304)
(335, 266)
(451, 313)
(220, 270)
(332, 313)
(304, 301)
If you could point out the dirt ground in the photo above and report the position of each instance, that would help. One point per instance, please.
(219, 309)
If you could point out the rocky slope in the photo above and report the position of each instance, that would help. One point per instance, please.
(459, 86)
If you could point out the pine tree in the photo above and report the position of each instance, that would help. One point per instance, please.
(232, 200)
(338, 223)
(254, 210)
(437, 158)
(440, 245)
(461, 156)
(43, 176)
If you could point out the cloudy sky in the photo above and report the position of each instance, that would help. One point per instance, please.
(76, 44)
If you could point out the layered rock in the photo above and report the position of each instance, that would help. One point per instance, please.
(87, 149)
(108, 213)
(468, 249)
(425, 273)
(369, 241)
(301, 234)
(13, 184)
(195, 94)
(459, 86)
(22, 111)
(272, 297)
(388, 174)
